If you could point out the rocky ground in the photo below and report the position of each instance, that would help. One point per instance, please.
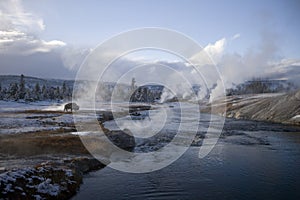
(48, 180)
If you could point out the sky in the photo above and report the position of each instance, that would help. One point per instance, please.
(50, 38)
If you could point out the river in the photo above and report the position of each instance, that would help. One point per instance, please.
(252, 160)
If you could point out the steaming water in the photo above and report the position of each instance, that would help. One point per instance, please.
(252, 160)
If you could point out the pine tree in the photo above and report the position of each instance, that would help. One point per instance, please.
(1, 93)
(13, 91)
(57, 93)
(29, 96)
(4, 94)
(69, 93)
(44, 92)
(51, 93)
(64, 89)
(21, 93)
(37, 91)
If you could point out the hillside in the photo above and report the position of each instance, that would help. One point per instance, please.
(30, 82)
(281, 108)
(26, 88)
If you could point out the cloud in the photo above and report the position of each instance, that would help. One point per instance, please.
(256, 62)
(216, 49)
(42, 65)
(72, 57)
(22, 50)
(14, 17)
(236, 36)
(19, 31)
(210, 54)
(261, 61)
(286, 69)
(16, 42)
(21, 46)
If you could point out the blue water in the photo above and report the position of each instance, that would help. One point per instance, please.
(252, 160)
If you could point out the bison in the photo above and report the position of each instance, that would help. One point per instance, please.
(71, 106)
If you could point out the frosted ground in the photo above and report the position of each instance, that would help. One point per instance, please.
(21, 117)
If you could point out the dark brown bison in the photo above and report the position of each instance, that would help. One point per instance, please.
(71, 106)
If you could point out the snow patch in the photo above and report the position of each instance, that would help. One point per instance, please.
(47, 188)
(296, 117)
(13, 106)
(80, 133)
(38, 197)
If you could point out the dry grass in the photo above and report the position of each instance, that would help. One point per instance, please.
(41, 143)
(59, 142)
(43, 112)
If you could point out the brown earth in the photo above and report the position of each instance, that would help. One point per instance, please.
(42, 142)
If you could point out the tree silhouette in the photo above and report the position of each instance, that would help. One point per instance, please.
(22, 92)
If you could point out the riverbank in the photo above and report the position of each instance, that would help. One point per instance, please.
(42, 155)
(278, 108)
(48, 180)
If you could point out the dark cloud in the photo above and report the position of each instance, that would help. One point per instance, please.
(44, 65)
(22, 50)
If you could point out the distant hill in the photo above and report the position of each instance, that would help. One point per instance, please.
(30, 82)
(27, 88)
(37, 89)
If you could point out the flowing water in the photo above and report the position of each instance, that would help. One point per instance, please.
(252, 160)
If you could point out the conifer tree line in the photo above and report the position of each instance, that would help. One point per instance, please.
(22, 91)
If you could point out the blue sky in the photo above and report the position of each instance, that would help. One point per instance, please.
(90, 22)
(30, 30)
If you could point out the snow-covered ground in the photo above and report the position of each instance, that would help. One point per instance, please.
(14, 106)
(49, 180)
(21, 117)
